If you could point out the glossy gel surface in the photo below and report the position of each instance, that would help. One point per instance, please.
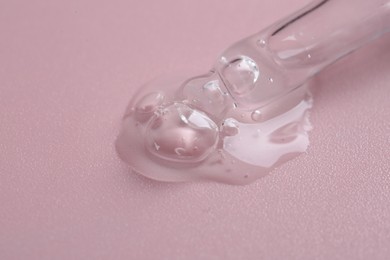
(67, 72)
(179, 141)
(249, 114)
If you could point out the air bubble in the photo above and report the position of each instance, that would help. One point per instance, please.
(256, 115)
(261, 43)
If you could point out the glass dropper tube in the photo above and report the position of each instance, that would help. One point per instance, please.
(273, 62)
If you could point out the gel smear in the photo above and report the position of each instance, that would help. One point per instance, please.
(250, 113)
(175, 141)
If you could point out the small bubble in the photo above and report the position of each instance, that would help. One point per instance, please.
(256, 115)
(271, 80)
(261, 43)
(309, 56)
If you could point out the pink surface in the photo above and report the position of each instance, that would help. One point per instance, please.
(67, 71)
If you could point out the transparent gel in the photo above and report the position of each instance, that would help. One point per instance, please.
(249, 114)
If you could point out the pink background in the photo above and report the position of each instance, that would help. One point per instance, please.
(67, 71)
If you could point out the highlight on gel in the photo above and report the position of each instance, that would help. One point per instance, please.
(249, 114)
